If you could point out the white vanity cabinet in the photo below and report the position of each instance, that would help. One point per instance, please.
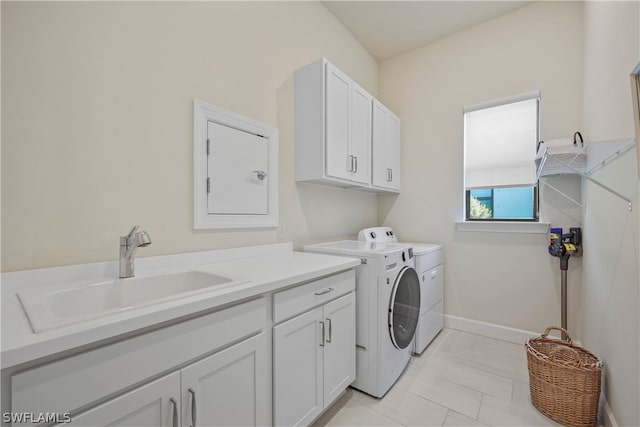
(385, 148)
(332, 127)
(217, 366)
(313, 352)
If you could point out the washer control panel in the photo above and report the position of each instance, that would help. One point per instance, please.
(378, 235)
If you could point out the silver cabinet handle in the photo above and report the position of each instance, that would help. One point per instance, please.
(329, 325)
(350, 168)
(193, 407)
(322, 339)
(391, 170)
(261, 175)
(388, 175)
(355, 161)
(175, 412)
(326, 291)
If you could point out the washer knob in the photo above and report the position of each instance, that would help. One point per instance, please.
(404, 257)
(373, 235)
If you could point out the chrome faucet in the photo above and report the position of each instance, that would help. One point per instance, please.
(129, 244)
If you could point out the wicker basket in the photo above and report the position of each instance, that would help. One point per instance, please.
(564, 379)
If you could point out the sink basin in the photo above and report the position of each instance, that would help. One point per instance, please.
(52, 307)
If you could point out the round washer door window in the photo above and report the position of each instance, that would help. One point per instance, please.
(404, 308)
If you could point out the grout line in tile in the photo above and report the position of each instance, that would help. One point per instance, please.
(480, 406)
(444, 420)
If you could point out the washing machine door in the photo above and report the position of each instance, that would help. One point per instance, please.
(404, 307)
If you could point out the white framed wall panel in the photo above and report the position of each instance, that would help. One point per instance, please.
(248, 201)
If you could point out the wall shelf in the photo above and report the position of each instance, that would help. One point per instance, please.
(585, 161)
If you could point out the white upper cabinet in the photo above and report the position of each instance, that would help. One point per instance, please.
(333, 129)
(386, 148)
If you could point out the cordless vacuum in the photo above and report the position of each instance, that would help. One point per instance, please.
(564, 246)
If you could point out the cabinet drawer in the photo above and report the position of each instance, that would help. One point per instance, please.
(76, 381)
(304, 297)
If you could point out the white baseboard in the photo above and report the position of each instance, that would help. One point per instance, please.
(491, 330)
(608, 420)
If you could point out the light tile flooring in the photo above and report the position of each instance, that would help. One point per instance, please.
(460, 380)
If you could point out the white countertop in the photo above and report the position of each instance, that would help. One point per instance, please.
(265, 268)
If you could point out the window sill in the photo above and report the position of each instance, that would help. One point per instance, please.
(503, 227)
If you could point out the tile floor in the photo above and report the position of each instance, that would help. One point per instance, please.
(460, 380)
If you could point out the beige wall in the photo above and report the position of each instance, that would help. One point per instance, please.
(97, 114)
(610, 288)
(508, 279)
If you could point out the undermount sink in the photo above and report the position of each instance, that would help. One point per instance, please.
(52, 307)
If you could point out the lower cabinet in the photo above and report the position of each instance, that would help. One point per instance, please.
(152, 405)
(228, 388)
(313, 360)
(340, 347)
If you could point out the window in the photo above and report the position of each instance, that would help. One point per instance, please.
(500, 140)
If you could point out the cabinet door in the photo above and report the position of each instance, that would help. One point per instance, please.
(360, 142)
(235, 162)
(228, 388)
(380, 149)
(394, 151)
(154, 404)
(297, 369)
(340, 346)
(385, 147)
(337, 160)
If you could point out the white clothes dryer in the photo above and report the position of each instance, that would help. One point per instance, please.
(387, 310)
(430, 268)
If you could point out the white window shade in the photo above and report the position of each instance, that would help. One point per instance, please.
(500, 144)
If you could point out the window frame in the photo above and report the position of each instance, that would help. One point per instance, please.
(535, 216)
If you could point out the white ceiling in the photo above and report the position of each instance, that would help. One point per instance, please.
(388, 28)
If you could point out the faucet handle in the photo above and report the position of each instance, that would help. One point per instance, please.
(133, 230)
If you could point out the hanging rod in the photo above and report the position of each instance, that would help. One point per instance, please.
(624, 144)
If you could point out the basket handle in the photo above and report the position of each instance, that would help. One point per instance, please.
(558, 328)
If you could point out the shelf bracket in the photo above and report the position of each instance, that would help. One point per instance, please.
(595, 181)
(562, 193)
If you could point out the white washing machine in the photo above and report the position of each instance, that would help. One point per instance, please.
(387, 310)
(430, 269)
